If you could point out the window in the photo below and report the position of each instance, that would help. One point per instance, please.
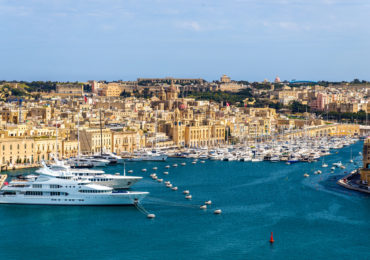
(54, 193)
(34, 193)
(36, 185)
(55, 186)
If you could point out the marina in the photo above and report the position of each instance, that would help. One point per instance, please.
(245, 202)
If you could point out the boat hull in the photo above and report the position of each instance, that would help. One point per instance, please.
(114, 199)
(157, 158)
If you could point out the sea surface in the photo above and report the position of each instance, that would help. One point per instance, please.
(311, 218)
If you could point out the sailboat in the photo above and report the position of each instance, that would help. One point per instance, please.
(324, 165)
(351, 160)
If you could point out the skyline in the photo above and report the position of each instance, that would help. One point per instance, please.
(247, 40)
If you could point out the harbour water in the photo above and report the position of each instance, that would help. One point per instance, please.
(311, 218)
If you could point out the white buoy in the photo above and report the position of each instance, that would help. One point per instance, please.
(169, 185)
(174, 165)
(217, 211)
(159, 180)
(194, 162)
(167, 166)
(143, 170)
(209, 202)
(183, 164)
(202, 161)
(203, 207)
(167, 182)
(154, 177)
(306, 175)
(150, 216)
(165, 173)
(186, 192)
(188, 197)
(130, 171)
(155, 168)
(174, 188)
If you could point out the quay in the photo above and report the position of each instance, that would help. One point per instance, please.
(352, 181)
(359, 179)
(2, 179)
(5, 167)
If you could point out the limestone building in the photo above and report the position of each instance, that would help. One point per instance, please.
(365, 171)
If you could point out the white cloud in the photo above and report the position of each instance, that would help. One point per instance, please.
(189, 25)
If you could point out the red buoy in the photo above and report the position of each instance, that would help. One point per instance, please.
(272, 238)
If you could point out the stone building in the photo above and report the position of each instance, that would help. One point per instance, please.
(70, 89)
(93, 140)
(365, 171)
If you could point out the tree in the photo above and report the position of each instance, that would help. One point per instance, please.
(297, 107)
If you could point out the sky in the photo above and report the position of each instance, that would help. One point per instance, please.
(79, 40)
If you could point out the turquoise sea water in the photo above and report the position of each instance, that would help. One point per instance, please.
(312, 218)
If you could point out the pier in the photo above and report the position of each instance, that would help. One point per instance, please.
(2, 179)
(352, 181)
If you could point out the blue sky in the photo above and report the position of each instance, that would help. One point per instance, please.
(70, 40)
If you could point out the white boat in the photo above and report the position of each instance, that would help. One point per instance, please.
(96, 162)
(257, 159)
(110, 155)
(111, 160)
(94, 176)
(338, 164)
(47, 190)
(148, 156)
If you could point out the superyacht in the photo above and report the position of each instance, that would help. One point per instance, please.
(59, 170)
(148, 156)
(48, 190)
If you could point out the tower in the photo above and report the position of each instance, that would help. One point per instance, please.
(162, 94)
(172, 93)
(178, 129)
(365, 171)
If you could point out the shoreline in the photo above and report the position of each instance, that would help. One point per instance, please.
(347, 180)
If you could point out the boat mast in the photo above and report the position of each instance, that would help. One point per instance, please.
(78, 135)
(124, 168)
(56, 139)
(101, 134)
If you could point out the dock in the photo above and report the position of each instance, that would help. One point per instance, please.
(2, 179)
(349, 182)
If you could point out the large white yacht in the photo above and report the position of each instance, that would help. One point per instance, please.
(49, 190)
(112, 157)
(59, 170)
(95, 162)
(148, 156)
